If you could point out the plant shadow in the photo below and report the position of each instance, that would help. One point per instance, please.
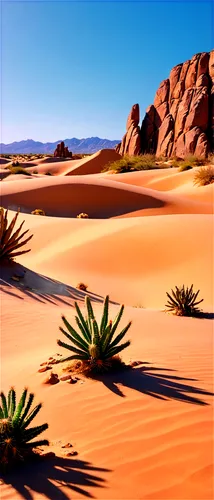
(48, 477)
(149, 380)
(39, 287)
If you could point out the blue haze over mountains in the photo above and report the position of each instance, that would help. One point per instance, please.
(89, 145)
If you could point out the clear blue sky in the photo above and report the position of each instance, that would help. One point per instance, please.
(74, 69)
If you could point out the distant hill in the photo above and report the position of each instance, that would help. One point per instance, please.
(89, 145)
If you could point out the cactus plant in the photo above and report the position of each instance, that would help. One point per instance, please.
(94, 345)
(182, 301)
(15, 437)
(9, 242)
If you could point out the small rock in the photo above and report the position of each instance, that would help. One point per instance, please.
(51, 357)
(72, 381)
(65, 377)
(68, 445)
(15, 278)
(71, 454)
(52, 379)
(44, 369)
(43, 364)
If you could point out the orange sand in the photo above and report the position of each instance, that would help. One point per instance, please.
(145, 434)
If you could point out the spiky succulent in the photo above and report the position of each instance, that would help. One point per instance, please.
(94, 344)
(183, 301)
(9, 241)
(15, 435)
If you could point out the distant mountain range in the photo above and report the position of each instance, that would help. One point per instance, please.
(89, 145)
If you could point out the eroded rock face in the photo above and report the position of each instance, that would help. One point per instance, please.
(61, 151)
(131, 141)
(181, 120)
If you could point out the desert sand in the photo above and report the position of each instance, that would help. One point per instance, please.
(142, 434)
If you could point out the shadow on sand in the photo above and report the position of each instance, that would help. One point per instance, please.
(149, 380)
(50, 476)
(39, 287)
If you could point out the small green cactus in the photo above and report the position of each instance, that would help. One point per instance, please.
(95, 345)
(15, 437)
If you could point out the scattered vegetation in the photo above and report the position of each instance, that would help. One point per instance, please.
(204, 176)
(16, 443)
(38, 211)
(82, 216)
(188, 162)
(183, 301)
(15, 164)
(133, 163)
(18, 170)
(185, 167)
(82, 286)
(94, 347)
(9, 241)
(18, 157)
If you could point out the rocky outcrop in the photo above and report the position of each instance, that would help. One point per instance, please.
(61, 151)
(181, 119)
(131, 142)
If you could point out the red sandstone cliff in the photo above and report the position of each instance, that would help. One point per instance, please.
(181, 119)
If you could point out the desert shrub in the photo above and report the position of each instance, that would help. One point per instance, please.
(195, 161)
(133, 163)
(9, 241)
(82, 286)
(183, 301)
(185, 166)
(48, 173)
(187, 163)
(18, 170)
(94, 345)
(38, 211)
(82, 216)
(15, 164)
(16, 443)
(35, 172)
(204, 176)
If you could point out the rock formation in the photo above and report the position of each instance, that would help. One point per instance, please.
(131, 142)
(61, 151)
(180, 122)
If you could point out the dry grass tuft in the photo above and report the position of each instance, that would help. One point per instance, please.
(204, 176)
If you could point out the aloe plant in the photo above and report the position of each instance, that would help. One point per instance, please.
(183, 301)
(9, 241)
(15, 435)
(94, 344)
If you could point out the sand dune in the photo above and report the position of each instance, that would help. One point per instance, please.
(98, 197)
(141, 434)
(136, 260)
(4, 161)
(89, 165)
(164, 179)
